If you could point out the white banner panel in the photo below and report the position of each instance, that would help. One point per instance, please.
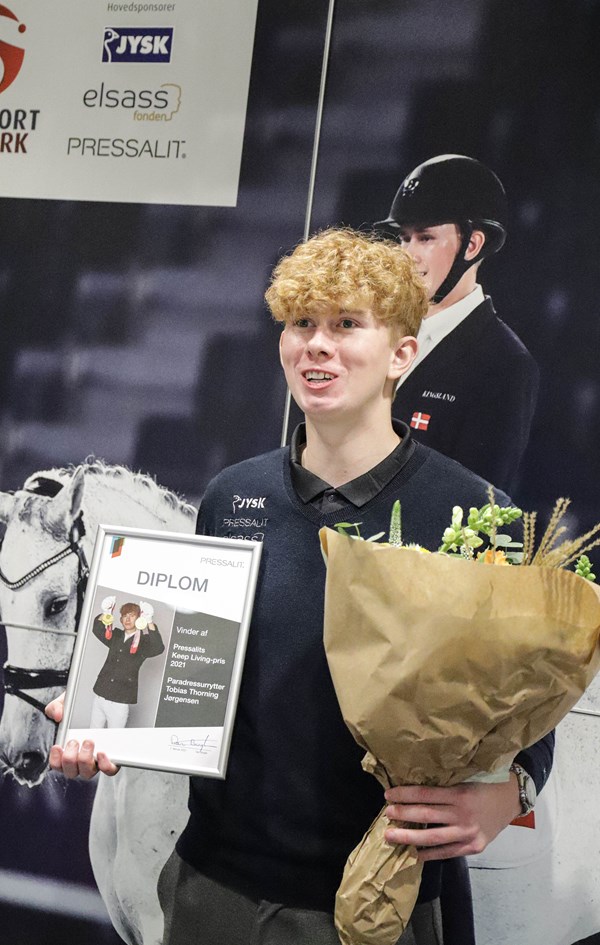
(123, 100)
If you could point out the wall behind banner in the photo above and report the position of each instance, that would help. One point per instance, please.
(137, 333)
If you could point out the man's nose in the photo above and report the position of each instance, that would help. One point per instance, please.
(320, 342)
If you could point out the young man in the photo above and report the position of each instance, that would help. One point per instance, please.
(472, 389)
(264, 850)
(116, 688)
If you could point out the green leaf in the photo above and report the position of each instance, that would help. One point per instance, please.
(342, 527)
(376, 537)
(515, 557)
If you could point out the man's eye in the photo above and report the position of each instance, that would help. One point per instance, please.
(301, 323)
(348, 323)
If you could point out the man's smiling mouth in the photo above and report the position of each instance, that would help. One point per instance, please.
(318, 376)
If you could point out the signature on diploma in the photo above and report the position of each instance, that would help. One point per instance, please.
(202, 746)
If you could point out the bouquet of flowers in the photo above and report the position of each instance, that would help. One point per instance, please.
(456, 681)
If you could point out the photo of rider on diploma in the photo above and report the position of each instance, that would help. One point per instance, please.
(122, 667)
(116, 687)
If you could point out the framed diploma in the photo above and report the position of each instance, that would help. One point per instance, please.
(160, 648)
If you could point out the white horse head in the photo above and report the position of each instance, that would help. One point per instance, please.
(50, 530)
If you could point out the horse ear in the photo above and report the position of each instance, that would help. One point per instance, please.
(64, 508)
(6, 504)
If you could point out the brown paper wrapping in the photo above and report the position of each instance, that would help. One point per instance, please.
(461, 666)
(377, 872)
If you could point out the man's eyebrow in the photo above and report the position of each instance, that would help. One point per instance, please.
(414, 229)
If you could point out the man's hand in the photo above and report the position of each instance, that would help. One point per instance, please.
(464, 818)
(147, 611)
(54, 710)
(146, 617)
(72, 760)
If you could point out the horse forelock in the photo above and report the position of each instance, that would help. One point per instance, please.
(34, 510)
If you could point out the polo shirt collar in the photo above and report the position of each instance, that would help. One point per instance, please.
(359, 491)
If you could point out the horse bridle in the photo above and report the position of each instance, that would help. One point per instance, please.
(18, 678)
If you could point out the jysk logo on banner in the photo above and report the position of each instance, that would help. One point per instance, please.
(137, 44)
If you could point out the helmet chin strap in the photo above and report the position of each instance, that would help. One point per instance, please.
(459, 266)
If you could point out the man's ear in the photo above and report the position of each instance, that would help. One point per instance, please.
(404, 353)
(475, 244)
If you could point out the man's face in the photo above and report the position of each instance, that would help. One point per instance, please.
(433, 249)
(339, 362)
(128, 620)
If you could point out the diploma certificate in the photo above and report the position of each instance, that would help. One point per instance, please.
(160, 647)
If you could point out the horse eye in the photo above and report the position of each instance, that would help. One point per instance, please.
(55, 606)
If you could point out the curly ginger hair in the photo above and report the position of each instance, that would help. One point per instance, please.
(345, 270)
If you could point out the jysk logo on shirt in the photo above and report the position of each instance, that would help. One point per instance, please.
(135, 44)
(240, 503)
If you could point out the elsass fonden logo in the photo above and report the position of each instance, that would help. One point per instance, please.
(137, 44)
(11, 57)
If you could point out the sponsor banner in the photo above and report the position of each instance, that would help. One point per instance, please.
(124, 101)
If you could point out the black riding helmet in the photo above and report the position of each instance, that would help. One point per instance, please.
(452, 188)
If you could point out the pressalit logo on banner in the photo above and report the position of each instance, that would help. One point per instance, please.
(147, 105)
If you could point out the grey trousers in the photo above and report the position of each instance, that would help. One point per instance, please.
(199, 911)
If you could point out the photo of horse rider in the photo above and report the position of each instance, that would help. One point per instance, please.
(116, 687)
(472, 389)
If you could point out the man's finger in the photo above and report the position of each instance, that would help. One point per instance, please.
(54, 710)
(106, 765)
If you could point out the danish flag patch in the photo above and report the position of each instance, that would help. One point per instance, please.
(420, 421)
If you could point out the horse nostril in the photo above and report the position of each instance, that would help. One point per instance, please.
(30, 766)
